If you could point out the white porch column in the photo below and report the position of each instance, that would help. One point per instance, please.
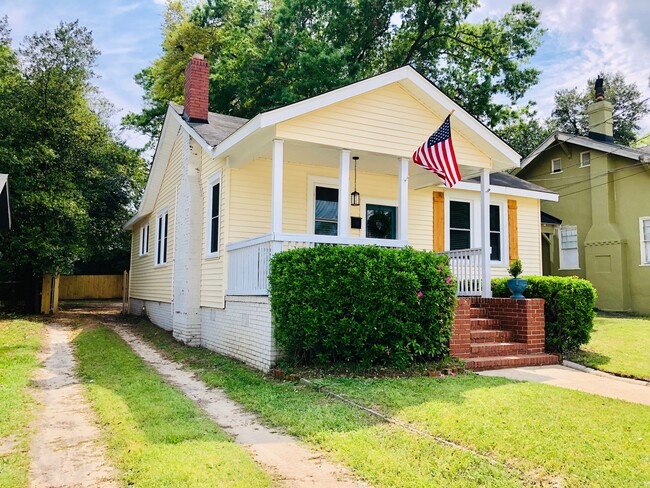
(276, 183)
(344, 194)
(485, 233)
(403, 199)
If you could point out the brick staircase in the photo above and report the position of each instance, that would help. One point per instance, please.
(495, 333)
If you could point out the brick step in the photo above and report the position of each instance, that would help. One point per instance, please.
(491, 335)
(483, 324)
(477, 312)
(512, 361)
(482, 349)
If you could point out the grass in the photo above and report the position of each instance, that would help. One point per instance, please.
(618, 345)
(20, 341)
(547, 435)
(157, 436)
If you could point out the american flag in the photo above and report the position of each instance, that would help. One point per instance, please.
(437, 155)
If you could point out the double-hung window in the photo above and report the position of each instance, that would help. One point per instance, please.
(644, 227)
(569, 258)
(495, 233)
(326, 211)
(556, 165)
(460, 230)
(585, 159)
(213, 211)
(162, 227)
(144, 240)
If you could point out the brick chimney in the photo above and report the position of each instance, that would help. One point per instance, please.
(600, 116)
(197, 81)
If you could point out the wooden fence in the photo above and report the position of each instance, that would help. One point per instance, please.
(83, 287)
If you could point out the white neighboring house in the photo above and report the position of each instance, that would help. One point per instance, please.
(5, 209)
(224, 194)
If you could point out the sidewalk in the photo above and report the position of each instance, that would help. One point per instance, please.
(603, 384)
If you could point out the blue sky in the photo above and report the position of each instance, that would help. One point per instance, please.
(582, 39)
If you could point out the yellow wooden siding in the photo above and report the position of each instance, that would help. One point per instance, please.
(149, 282)
(530, 235)
(386, 120)
(213, 269)
(250, 200)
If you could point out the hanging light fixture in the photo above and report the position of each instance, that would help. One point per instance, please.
(354, 196)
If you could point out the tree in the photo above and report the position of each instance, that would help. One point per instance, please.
(570, 112)
(268, 54)
(523, 131)
(73, 183)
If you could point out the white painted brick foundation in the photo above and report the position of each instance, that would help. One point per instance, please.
(243, 330)
(159, 313)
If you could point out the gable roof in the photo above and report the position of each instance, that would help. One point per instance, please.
(548, 219)
(608, 147)
(223, 133)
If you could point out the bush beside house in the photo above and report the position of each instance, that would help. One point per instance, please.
(568, 308)
(361, 304)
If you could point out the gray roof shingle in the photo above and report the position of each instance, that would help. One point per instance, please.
(510, 181)
(218, 128)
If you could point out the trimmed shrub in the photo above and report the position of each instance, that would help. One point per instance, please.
(365, 305)
(568, 308)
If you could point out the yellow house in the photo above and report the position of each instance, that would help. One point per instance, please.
(226, 193)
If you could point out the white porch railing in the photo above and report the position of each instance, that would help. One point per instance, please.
(467, 266)
(249, 260)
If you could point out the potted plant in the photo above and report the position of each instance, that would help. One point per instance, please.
(516, 285)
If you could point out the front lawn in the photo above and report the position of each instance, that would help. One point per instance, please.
(618, 345)
(20, 341)
(535, 434)
(157, 436)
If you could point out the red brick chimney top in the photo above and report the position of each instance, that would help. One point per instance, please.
(197, 82)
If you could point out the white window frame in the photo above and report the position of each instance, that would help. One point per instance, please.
(645, 260)
(144, 240)
(475, 216)
(313, 182)
(559, 161)
(582, 165)
(214, 180)
(563, 266)
(158, 261)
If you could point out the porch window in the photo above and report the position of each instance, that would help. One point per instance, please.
(495, 233)
(381, 221)
(213, 215)
(644, 223)
(326, 211)
(460, 231)
(569, 258)
(144, 240)
(162, 225)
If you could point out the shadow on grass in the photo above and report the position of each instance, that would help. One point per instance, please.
(589, 358)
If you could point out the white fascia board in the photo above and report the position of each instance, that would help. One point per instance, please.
(158, 167)
(190, 130)
(3, 180)
(239, 135)
(506, 190)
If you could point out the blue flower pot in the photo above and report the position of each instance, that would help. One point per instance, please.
(517, 287)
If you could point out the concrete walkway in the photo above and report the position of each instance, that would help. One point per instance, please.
(603, 384)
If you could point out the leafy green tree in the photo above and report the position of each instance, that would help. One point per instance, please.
(629, 108)
(267, 54)
(72, 182)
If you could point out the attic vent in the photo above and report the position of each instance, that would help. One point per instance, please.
(585, 159)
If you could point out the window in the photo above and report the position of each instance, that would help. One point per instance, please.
(585, 159)
(162, 226)
(381, 221)
(495, 233)
(459, 225)
(326, 211)
(556, 165)
(569, 247)
(213, 212)
(644, 224)
(144, 240)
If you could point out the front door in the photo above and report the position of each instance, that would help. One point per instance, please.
(381, 221)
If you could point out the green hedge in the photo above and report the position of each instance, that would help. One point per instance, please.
(360, 304)
(568, 308)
